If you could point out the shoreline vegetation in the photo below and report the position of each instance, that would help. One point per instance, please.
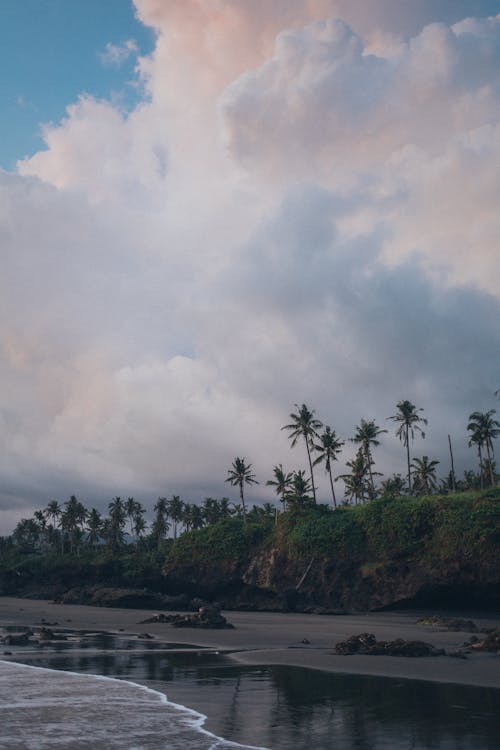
(400, 542)
(389, 552)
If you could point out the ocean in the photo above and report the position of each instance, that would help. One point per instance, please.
(104, 691)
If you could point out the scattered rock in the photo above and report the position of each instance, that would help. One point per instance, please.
(46, 634)
(490, 643)
(304, 640)
(158, 618)
(367, 644)
(206, 617)
(7, 653)
(450, 623)
(17, 639)
(145, 636)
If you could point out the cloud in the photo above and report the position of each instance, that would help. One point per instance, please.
(314, 219)
(115, 55)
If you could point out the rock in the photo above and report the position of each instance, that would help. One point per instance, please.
(356, 644)
(146, 636)
(17, 639)
(490, 643)
(46, 634)
(450, 623)
(7, 653)
(206, 617)
(367, 644)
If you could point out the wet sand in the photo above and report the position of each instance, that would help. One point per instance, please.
(276, 638)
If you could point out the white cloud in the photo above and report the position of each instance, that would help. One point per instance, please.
(313, 220)
(115, 55)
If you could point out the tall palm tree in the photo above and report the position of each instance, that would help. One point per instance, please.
(240, 474)
(305, 426)
(72, 519)
(328, 447)
(484, 430)
(357, 482)
(192, 517)
(366, 435)
(409, 423)
(161, 524)
(424, 474)
(175, 508)
(94, 527)
(139, 524)
(132, 508)
(281, 481)
(298, 494)
(53, 511)
(117, 520)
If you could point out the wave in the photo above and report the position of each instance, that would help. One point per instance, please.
(43, 708)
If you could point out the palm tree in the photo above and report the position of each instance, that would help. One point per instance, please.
(299, 491)
(357, 482)
(192, 517)
(424, 474)
(139, 524)
(281, 481)
(175, 508)
(366, 436)
(160, 524)
(53, 511)
(393, 486)
(132, 508)
(117, 520)
(328, 448)
(94, 527)
(484, 429)
(240, 474)
(72, 519)
(304, 425)
(409, 424)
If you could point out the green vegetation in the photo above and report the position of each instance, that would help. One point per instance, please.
(421, 521)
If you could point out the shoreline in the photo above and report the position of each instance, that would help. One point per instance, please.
(271, 638)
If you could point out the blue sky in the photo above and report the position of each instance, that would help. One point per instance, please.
(49, 54)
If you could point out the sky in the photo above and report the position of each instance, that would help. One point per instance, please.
(213, 210)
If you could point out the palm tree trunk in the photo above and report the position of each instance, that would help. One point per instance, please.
(490, 465)
(369, 462)
(408, 459)
(242, 500)
(331, 485)
(480, 466)
(311, 469)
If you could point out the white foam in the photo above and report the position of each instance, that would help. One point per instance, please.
(43, 708)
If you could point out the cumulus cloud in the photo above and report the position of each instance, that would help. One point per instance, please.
(302, 208)
(115, 55)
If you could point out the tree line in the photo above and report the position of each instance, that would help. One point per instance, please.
(71, 526)
(324, 446)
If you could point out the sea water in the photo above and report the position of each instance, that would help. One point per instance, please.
(277, 707)
(42, 708)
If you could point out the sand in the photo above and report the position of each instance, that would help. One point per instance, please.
(276, 638)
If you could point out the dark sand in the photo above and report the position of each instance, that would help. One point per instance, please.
(275, 638)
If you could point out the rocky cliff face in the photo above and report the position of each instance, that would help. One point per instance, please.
(270, 579)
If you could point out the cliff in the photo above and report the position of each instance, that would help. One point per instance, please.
(391, 552)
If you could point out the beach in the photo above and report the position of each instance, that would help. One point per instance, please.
(277, 638)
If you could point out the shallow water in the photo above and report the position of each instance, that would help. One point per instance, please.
(287, 708)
